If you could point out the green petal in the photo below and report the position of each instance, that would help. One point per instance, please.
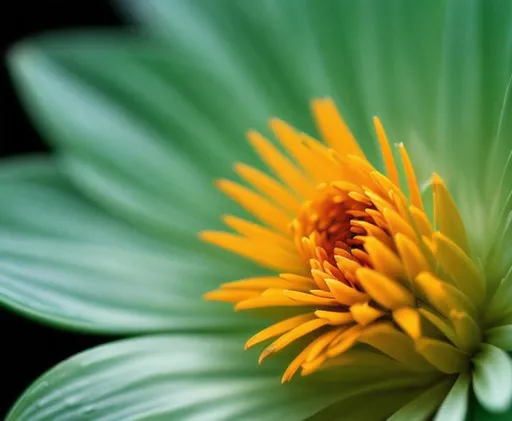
(455, 405)
(500, 337)
(295, 51)
(499, 310)
(493, 378)
(179, 377)
(131, 135)
(172, 378)
(66, 262)
(356, 408)
(438, 73)
(475, 112)
(422, 407)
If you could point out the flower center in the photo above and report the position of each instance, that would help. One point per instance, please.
(328, 226)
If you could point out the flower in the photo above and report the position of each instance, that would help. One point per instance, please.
(393, 290)
(354, 248)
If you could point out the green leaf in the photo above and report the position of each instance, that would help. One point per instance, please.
(188, 377)
(66, 262)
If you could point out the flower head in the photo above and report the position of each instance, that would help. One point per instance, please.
(358, 258)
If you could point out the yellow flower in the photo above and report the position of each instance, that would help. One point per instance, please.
(361, 260)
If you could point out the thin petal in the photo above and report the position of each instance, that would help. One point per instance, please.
(455, 405)
(423, 406)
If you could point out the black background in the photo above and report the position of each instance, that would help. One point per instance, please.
(27, 348)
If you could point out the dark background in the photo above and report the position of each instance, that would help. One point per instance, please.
(27, 348)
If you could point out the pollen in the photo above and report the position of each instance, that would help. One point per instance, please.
(352, 254)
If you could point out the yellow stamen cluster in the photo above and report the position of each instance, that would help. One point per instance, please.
(349, 248)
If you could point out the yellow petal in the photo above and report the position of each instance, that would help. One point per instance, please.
(231, 296)
(256, 205)
(412, 256)
(281, 166)
(293, 141)
(447, 215)
(421, 221)
(322, 342)
(270, 301)
(444, 297)
(333, 129)
(373, 231)
(298, 282)
(292, 335)
(258, 232)
(262, 283)
(364, 314)
(345, 294)
(309, 299)
(296, 364)
(345, 341)
(279, 328)
(384, 260)
(409, 320)
(387, 154)
(397, 224)
(269, 187)
(468, 331)
(335, 317)
(267, 255)
(384, 290)
(459, 267)
(442, 355)
(414, 190)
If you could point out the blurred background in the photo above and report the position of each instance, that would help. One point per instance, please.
(28, 349)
